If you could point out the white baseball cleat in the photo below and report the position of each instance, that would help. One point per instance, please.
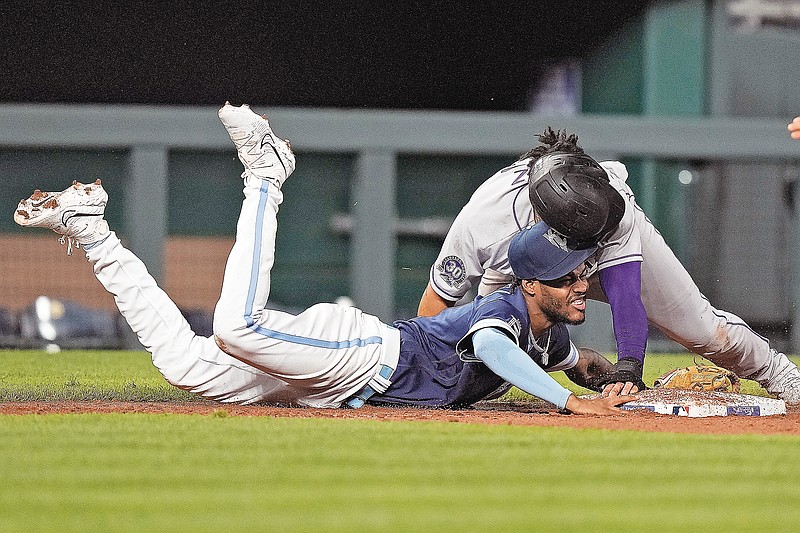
(264, 155)
(785, 384)
(75, 213)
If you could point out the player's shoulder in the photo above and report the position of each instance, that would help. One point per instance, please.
(510, 178)
(615, 170)
(505, 305)
(499, 207)
(507, 297)
(618, 176)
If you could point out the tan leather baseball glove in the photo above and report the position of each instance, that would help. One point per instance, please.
(700, 378)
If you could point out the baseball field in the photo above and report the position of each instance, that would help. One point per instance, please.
(97, 441)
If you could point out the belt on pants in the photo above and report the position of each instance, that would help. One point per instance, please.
(377, 384)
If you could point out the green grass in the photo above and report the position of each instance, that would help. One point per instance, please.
(28, 375)
(138, 472)
(159, 472)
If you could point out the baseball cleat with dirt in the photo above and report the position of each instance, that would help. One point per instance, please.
(76, 213)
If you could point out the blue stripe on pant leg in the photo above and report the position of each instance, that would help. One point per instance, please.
(256, 261)
(316, 343)
(251, 293)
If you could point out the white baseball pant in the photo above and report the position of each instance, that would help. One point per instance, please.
(319, 358)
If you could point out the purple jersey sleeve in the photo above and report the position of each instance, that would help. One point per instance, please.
(623, 287)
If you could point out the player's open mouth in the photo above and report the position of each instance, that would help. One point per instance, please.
(579, 303)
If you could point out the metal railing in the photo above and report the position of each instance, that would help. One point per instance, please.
(376, 137)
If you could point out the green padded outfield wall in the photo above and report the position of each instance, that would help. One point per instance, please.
(311, 263)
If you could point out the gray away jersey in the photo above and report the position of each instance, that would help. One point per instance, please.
(477, 243)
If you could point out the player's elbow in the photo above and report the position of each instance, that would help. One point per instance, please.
(431, 303)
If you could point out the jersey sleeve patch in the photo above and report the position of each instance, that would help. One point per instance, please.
(452, 271)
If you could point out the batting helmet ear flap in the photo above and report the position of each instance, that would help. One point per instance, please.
(616, 210)
(573, 195)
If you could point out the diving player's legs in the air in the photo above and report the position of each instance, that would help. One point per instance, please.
(186, 360)
(322, 357)
(328, 352)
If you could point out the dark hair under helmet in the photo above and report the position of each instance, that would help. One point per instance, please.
(572, 193)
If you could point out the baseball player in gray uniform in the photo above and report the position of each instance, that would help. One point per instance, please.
(331, 355)
(634, 270)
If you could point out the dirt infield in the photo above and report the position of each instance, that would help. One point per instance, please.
(508, 413)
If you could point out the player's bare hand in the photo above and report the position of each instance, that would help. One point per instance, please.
(601, 405)
(620, 388)
(794, 127)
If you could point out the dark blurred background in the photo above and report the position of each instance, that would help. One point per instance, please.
(401, 55)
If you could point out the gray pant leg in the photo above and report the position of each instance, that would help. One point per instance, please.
(675, 305)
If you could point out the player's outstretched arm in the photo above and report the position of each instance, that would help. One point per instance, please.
(431, 303)
(510, 362)
(507, 360)
(591, 367)
(794, 128)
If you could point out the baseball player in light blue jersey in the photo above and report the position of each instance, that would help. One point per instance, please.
(331, 355)
(634, 270)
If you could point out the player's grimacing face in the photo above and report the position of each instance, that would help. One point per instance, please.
(564, 299)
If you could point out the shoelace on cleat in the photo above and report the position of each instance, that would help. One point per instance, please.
(70, 242)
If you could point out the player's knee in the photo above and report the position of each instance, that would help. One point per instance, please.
(718, 343)
(229, 335)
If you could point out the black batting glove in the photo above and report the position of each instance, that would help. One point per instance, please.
(623, 371)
